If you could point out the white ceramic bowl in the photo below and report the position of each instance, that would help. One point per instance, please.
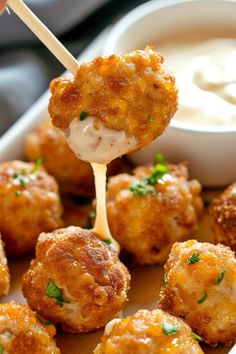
(209, 150)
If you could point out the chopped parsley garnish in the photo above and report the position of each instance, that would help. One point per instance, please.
(16, 175)
(220, 278)
(108, 241)
(146, 186)
(83, 116)
(48, 323)
(53, 291)
(234, 192)
(169, 328)
(37, 164)
(23, 182)
(149, 119)
(1, 349)
(92, 214)
(197, 337)
(203, 298)
(17, 193)
(194, 258)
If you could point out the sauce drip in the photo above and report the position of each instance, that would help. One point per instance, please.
(101, 226)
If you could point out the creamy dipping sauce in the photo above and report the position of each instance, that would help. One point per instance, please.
(206, 79)
(98, 145)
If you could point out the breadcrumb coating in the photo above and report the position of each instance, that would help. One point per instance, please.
(21, 332)
(200, 283)
(92, 282)
(4, 271)
(131, 92)
(29, 205)
(146, 226)
(145, 332)
(223, 212)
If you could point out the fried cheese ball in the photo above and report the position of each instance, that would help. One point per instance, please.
(200, 283)
(146, 225)
(133, 93)
(21, 332)
(29, 205)
(148, 332)
(223, 212)
(73, 175)
(76, 280)
(4, 271)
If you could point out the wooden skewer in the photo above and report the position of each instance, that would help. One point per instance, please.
(44, 34)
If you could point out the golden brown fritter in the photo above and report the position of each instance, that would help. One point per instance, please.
(131, 92)
(200, 283)
(73, 175)
(4, 271)
(147, 225)
(76, 280)
(29, 204)
(223, 212)
(21, 332)
(149, 332)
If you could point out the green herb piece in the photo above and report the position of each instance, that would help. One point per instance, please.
(146, 186)
(149, 119)
(53, 291)
(92, 214)
(1, 349)
(142, 188)
(108, 241)
(23, 182)
(197, 337)
(48, 323)
(169, 328)
(220, 278)
(17, 193)
(234, 192)
(83, 116)
(194, 258)
(37, 164)
(203, 298)
(16, 175)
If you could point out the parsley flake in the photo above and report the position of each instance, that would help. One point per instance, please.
(37, 164)
(194, 258)
(169, 328)
(197, 337)
(220, 278)
(17, 193)
(92, 214)
(16, 175)
(48, 323)
(1, 349)
(108, 241)
(203, 298)
(149, 119)
(23, 182)
(146, 186)
(53, 291)
(83, 116)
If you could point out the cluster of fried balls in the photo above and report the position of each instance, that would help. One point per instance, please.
(76, 280)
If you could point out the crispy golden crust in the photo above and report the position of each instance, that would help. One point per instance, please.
(93, 280)
(213, 314)
(143, 333)
(223, 213)
(21, 332)
(73, 175)
(147, 226)
(131, 92)
(4, 271)
(29, 204)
